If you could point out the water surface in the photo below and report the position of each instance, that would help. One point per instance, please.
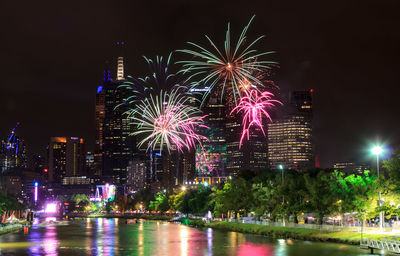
(113, 237)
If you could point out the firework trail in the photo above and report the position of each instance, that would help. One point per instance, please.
(227, 67)
(167, 119)
(254, 106)
(162, 109)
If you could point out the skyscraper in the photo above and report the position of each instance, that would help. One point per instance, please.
(75, 157)
(57, 159)
(99, 122)
(211, 157)
(118, 145)
(66, 157)
(290, 141)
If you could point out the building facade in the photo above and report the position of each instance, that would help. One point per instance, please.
(118, 147)
(290, 140)
(66, 157)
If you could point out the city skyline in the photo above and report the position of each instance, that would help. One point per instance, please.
(70, 77)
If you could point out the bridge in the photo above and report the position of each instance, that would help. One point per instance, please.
(390, 244)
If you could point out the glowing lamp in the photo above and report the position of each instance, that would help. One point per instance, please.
(36, 191)
(377, 150)
(51, 208)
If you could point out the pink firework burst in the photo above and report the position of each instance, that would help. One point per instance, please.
(254, 106)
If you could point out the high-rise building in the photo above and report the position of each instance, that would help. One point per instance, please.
(57, 159)
(99, 122)
(66, 157)
(137, 175)
(290, 141)
(76, 157)
(118, 146)
(211, 157)
(251, 155)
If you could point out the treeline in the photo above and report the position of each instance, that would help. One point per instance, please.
(322, 192)
(8, 202)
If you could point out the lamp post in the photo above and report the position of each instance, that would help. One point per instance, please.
(283, 199)
(377, 150)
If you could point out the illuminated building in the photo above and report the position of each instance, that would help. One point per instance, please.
(290, 141)
(76, 180)
(137, 175)
(118, 146)
(351, 167)
(57, 161)
(211, 159)
(12, 151)
(99, 122)
(188, 166)
(66, 157)
(253, 153)
(75, 157)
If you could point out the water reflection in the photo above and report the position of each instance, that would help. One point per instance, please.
(184, 240)
(50, 242)
(255, 250)
(209, 240)
(115, 237)
(281, 248)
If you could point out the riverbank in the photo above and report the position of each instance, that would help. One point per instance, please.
(345, 237)
(10, 228)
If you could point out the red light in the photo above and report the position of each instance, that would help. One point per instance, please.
(311, 90)
(45, 170)
(66, 203)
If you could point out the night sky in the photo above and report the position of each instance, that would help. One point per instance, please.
(53, 55)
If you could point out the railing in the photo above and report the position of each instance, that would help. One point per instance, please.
(327, 227)
(390, 245)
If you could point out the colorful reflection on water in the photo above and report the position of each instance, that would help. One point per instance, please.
(114, 237)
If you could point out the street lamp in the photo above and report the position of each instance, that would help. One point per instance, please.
(283, 199)
(377, 150)
(183, 188)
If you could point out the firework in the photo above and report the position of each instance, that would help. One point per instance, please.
(167, 119)
(254, 106)
(159, 78)
(206, 162)
(228, 67)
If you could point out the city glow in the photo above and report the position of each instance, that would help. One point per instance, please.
(254, 106)
(226, 68)
(51, 208)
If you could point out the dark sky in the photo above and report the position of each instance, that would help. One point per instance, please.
(53, 54)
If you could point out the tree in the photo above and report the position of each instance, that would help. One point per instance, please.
(294, 192)
(393, 168)
(199, 199)
(160, 203)
(265, 195)
(80, 198)
(363, 194)
(181, 202)
(319, 194)
(235, 196)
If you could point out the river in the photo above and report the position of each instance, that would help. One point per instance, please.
(113, 237)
